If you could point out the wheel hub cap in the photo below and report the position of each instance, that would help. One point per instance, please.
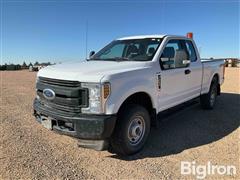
(136, 130)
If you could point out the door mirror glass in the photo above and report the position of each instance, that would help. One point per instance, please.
(186, 62)
(91, 54)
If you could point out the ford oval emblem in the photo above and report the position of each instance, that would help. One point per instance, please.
(49, 94)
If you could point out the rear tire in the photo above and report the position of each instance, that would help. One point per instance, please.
(208, 100)
(131, 130)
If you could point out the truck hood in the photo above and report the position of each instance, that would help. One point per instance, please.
(89, 71)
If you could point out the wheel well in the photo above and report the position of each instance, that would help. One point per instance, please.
(143, 99)
(218, 83)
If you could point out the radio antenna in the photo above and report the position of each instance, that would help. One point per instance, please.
(86, 39)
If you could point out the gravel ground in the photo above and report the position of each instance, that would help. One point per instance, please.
(29, 151)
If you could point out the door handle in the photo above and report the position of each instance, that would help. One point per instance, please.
(187, 71)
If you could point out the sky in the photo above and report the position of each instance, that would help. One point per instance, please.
(55, 30)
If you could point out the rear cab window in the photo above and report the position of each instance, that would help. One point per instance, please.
(191, 51)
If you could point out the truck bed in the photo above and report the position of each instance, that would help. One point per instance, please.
(211, 60)
(211, 67)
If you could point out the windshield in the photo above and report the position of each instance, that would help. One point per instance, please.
(132, 50)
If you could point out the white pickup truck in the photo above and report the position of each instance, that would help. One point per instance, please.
(110, 100)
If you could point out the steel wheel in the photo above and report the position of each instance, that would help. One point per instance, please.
(208, 100)
(136, 130)
(131, 131)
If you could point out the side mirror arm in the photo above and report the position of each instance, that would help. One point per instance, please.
(91, 54)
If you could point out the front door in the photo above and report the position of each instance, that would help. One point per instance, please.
(175, 75)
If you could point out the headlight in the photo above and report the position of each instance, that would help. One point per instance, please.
(37, 79)
(98, 94)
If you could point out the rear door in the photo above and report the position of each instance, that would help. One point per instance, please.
(175, 75)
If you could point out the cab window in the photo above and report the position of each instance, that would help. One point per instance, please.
(173, 55)
(191, 51)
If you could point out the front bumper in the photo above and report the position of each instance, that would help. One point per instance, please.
(93, 131)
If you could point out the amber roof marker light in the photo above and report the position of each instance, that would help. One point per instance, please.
(190, 35)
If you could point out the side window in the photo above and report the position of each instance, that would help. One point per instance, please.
(173, 55)
(191, 51)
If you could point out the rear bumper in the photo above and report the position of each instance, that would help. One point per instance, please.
(93, 130)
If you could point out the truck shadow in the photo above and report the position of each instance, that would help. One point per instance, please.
(190, 127)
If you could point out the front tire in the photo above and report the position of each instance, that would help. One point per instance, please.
(208, 100)
(131, 130)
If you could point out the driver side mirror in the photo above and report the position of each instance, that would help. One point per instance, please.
(186, 62)
(91, 54)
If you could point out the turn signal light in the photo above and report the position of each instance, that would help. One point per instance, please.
(106, 90)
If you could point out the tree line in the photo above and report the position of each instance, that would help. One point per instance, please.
(12, 66)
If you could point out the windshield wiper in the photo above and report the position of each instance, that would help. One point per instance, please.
(119, 59)
(111, 59)
(90, 59)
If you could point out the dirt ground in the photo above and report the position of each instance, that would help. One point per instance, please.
(29, 151)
